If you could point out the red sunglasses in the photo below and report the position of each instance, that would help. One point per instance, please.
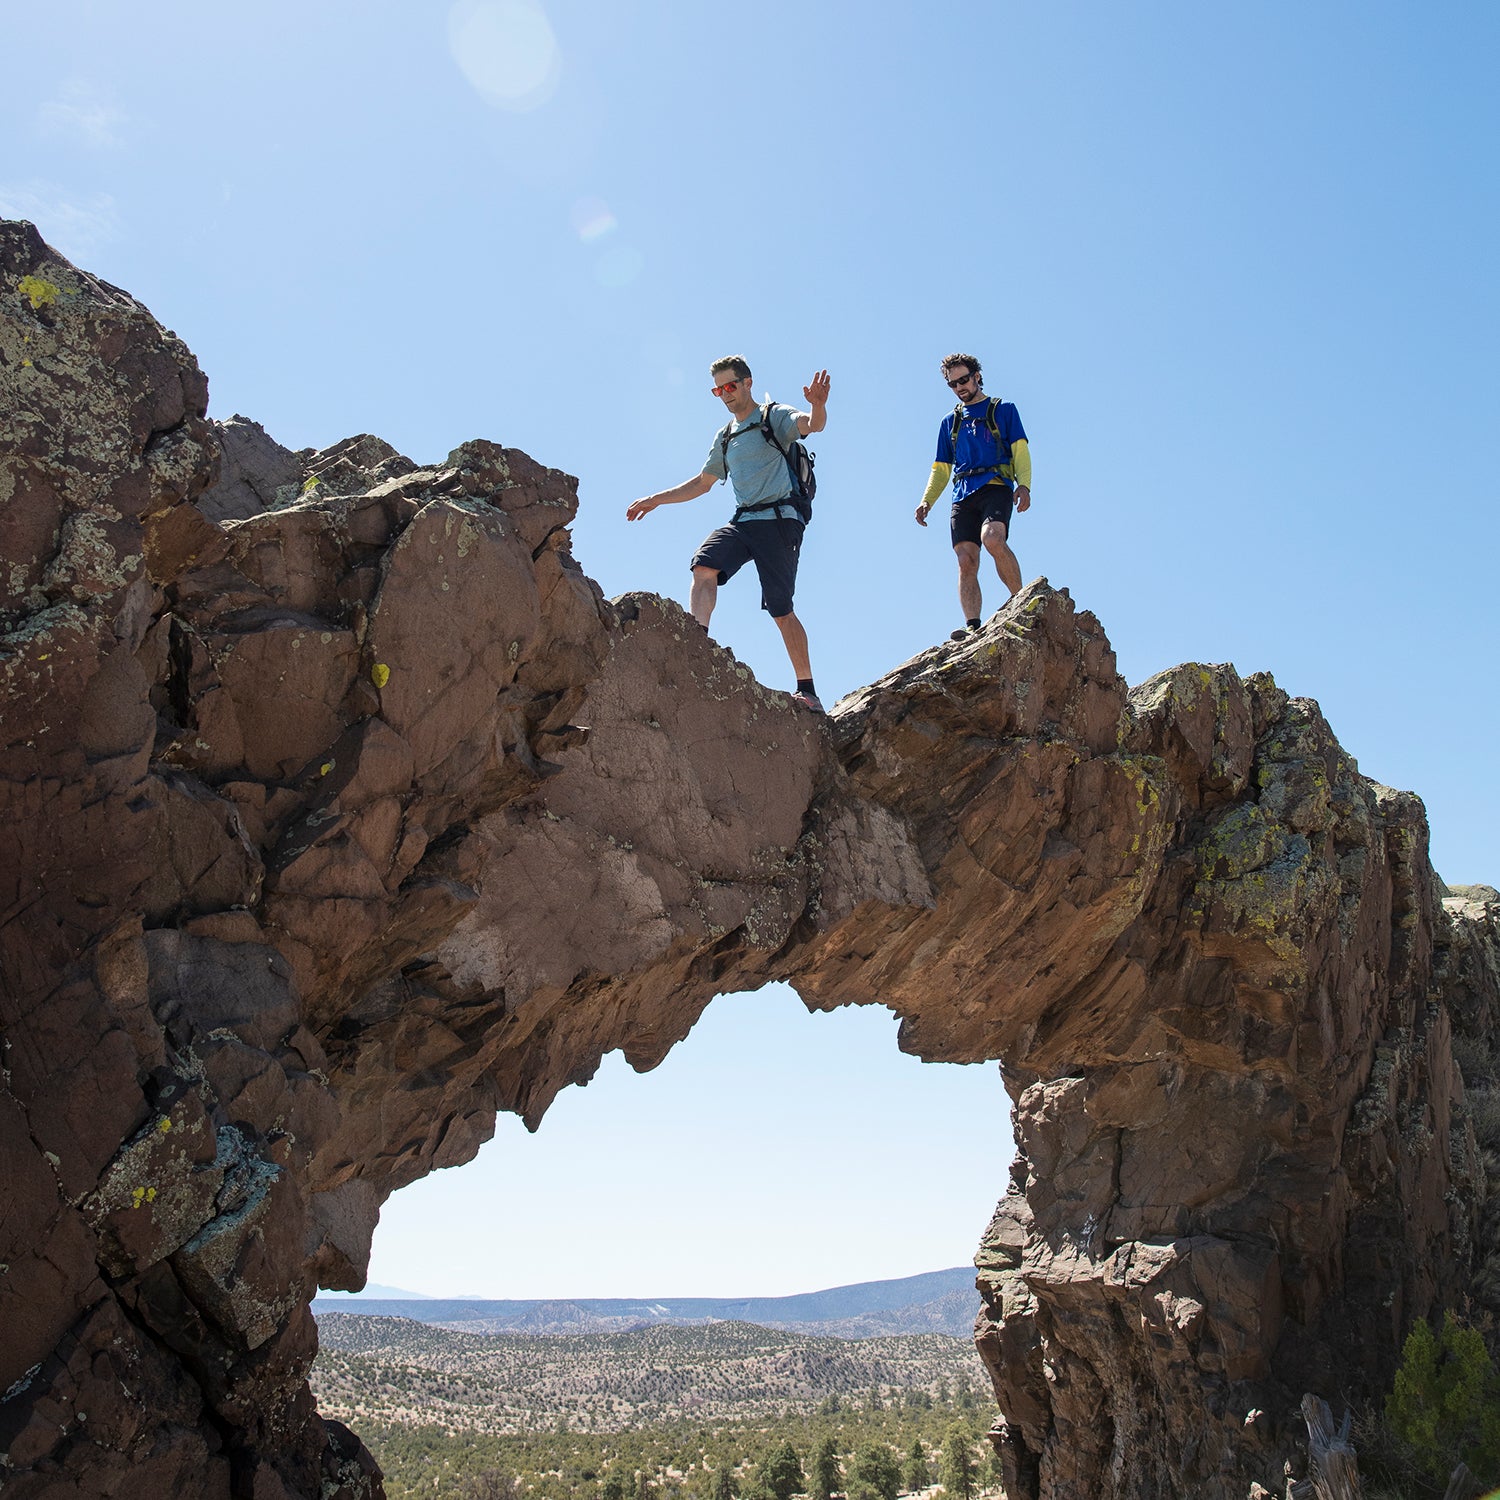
(727, 389)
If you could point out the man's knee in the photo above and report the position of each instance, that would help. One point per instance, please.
(706, 575)
(995, 536)
(968, 560)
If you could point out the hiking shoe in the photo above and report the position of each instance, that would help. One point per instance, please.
(963, 632)
(809, 701)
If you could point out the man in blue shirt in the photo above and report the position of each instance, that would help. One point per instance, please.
(981, 450)
(767, 527)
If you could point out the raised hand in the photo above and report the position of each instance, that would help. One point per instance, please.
(817, 392)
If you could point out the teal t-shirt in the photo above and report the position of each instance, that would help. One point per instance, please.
(756, 470)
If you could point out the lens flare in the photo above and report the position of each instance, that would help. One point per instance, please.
(592, 219)
(507, 51)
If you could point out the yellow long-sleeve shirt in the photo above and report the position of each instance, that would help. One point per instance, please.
(1018, 469)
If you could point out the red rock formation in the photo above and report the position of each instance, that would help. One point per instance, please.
(334, 828)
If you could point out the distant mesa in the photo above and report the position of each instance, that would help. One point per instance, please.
(373, 1291)
(933, 1302)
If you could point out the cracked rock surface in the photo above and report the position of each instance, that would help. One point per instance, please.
(342, 811)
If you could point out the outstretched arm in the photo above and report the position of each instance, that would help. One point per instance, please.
(689, 489)
(817, 398)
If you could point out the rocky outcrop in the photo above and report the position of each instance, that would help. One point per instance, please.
(336, 825)
(255, 473)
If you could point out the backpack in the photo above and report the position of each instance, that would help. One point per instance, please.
(1002, 447)
(799, 464)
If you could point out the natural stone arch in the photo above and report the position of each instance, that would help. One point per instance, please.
(337, 827)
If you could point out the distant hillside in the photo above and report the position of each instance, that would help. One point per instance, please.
(397, 1371)
(934, 1302)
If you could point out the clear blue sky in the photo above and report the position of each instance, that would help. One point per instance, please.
(1234, 264)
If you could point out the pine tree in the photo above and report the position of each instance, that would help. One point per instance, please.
(918, 1475)
(994, 1469)
(1446, 1403)
(874, 1473)
(613, 1488)
(724, 1486)
(958, 1464)
(827, 1472)
(781, 1473)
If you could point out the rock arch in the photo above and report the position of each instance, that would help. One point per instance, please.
(335, 827)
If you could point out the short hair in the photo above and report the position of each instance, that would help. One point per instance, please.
(949, 360)
(735, 362)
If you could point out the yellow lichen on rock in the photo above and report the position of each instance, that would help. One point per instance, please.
(38, 292)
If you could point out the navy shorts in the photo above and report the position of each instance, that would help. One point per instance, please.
(773, 545)
(992, 503)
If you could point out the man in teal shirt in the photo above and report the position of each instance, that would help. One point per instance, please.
(981, 451)
(767, 526)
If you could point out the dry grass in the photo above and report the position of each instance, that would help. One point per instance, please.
(1484, 1110)
(1479, 1066)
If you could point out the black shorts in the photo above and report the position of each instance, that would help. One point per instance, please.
(773, 545)
(992, 503)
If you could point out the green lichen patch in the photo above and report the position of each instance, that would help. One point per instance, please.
(38, 291)
(1255, 874)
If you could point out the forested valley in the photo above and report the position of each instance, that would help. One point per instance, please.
(728, 1412)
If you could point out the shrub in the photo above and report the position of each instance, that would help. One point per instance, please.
(1484, 1107)
(491, 1484)
(1474, 1060)
(1445, 1407)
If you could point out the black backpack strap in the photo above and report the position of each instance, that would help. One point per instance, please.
(1002, 448)
(767, 431)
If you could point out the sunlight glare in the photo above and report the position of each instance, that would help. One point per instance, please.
(592, 219)
(507, 50)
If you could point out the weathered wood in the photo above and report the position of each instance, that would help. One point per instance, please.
(1462, 1485)
(1335, 1466)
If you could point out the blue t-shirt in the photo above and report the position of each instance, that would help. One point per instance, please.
(979, 459)
(756, 470)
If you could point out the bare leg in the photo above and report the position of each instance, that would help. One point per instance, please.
(794, 638)
(995, 543)
(705, 595)
(970, 600)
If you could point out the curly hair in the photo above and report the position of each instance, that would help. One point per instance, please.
(735, 362)
(949, 360)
